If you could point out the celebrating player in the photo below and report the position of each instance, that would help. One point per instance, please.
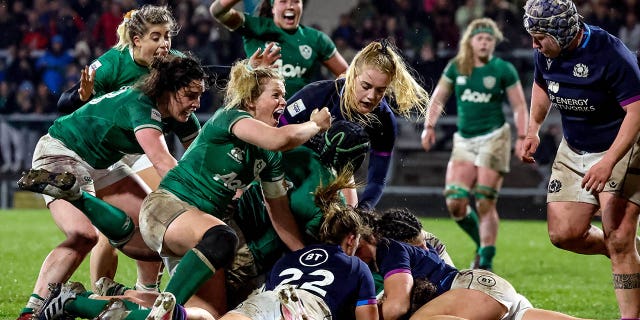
(302, 48)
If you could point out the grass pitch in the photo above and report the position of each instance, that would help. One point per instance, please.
(551, 278)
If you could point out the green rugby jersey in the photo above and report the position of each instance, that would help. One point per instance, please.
(302, 50)
(304, 173)
(103, 130)
(116, 68)
(217, 163)
(479, 97)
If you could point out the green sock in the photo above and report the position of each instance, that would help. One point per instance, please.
(190, 274)
(486, 256)
(470, 225)
(84, 307)
(111, 221)
(138, 315)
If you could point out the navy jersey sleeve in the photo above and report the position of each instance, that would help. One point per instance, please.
(538, 78)
(392, 258)
(69, 100)
(313, 96)
(383, 136)
(623, 75)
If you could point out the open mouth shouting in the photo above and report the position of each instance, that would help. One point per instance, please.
(276, 115)
(289, 18)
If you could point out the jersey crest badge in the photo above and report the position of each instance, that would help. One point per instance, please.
(461, 80)
(296, 107)
(305, 51)
(580, 71)
(554, 86)
(489, 82)
(155, 115)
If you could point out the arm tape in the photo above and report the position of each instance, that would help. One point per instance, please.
(274, 189)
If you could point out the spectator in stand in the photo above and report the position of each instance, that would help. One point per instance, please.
(470, 10)
(630, 31)
(68, 24)
(104, 32)
(52, 65)
(446, 33)
(86, 10)
(601, 16)
(36, 36)
(9, 28)
(19, 15)
(21, 68)
(345, 30)
(12, 141)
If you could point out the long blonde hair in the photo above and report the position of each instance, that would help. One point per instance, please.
(340, 219)
(138, 21)
(246, 84)
(403, 88)
(464, 58)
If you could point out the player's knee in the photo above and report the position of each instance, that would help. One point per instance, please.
(81, 240)
(219, 245)
(618, 242)
(457, 199)
(481, 192)
(565, 239)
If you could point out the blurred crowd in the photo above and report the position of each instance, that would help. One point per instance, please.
(45, 43)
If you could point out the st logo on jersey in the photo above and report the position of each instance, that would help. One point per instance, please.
(314, 257)
(554, 86)
(461, 80)
(305, 51)
(489, 82)
(580, 71)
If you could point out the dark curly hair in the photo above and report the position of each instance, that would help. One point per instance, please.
(399, 224)
(171, 73)
(422, 292)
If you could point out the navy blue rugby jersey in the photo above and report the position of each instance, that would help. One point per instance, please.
(590, 86)
(327, 93)
(342, 281)
(398, 257)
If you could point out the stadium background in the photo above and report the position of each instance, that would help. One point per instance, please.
(33, 74)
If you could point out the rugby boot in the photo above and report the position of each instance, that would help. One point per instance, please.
(114, 310)
(163, 307)
(60, 185)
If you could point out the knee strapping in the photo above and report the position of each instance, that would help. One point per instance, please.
(453, 191)
(485, 192)
(219, 245)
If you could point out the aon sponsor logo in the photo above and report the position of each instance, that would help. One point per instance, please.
(474, 96)
(289, 70)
